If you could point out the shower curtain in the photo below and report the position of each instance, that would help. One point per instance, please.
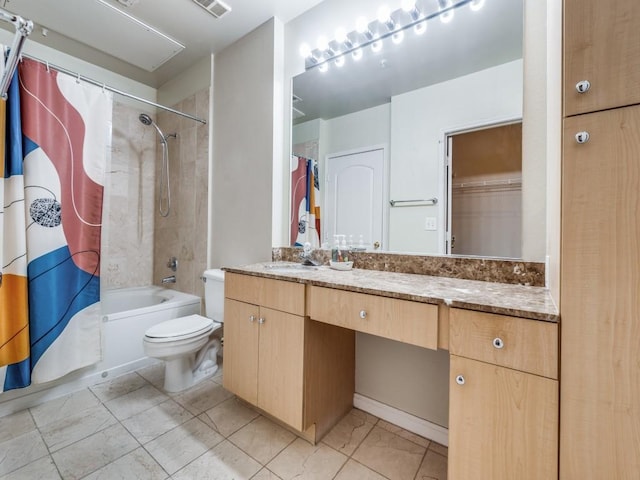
(56, 147)
(305, 202)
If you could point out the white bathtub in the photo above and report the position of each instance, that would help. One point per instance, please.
(128, 312)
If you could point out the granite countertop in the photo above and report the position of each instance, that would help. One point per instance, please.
(516, 300)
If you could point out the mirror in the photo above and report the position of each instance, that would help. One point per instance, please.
(402, 105)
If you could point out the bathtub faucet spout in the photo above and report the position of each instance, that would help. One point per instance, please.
(171, 279)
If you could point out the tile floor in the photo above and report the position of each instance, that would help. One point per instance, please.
(127, 428)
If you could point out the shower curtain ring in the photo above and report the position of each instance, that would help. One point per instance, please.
(78, 79)
(48, 71)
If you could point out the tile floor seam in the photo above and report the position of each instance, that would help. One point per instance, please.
(228, 438)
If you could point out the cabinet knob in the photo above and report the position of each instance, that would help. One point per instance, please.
(363, 314)
(460, 380)
(583, 86)
(582, 137)
(252, 318)
(261, 320)
(498, 343)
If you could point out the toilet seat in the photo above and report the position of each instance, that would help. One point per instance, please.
(181, 328)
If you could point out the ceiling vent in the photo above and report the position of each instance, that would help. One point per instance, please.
(217, 8)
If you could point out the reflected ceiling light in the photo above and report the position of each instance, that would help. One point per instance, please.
(343, 38)
(362, 27)
(409, 6)
(420, 27)
(408, 16)
(397, 37)
(447, 16)
(476, 5)
(384, 17)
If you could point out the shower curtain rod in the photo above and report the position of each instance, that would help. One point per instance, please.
(112, 89)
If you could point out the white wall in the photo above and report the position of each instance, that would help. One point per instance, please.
(419, 121)
(244, 122)
(192, 80)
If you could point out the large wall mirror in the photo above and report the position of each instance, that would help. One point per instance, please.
(417, 146)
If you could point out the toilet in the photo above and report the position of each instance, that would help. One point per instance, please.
(187, 344)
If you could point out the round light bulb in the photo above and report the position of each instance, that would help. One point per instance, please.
(447, 16)
(362, 25)
(323, 67)
(305, 50)
(384, 14)
(357, 54)
(376, 46)
(476, 5)
(420, 28)
(397, 37)
(339, 61)
(322, 43)
(408, 5)
(341, 35)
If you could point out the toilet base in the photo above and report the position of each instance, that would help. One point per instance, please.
(178, 374)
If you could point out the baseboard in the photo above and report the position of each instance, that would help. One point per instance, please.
(409, 422)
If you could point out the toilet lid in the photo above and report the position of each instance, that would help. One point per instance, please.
(179, 327)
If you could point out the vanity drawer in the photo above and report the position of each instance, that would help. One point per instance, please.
(405, 321)
(525, 345)
(267, 292)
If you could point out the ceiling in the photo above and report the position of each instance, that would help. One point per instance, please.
(127, 48)
(472, 41)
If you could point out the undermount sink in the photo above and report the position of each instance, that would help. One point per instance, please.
(290, 267)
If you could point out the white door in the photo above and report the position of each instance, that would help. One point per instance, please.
(354, 202)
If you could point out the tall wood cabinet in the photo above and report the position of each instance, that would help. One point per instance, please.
(503, 398)
(600, 269)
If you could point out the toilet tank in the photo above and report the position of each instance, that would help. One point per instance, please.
(214, 294)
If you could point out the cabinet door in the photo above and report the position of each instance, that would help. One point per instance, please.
(280, 386)
(601, 45)
(503, 424)
(600, 297)
(241, 349)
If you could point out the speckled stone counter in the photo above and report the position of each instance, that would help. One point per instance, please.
(501, 298)
(500, 270)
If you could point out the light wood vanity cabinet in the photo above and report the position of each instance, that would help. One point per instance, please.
(264, 347)
(402, 320)
(503, 411)
(298, 371)
(602, 47)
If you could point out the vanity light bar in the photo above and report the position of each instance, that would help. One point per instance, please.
(387, 25)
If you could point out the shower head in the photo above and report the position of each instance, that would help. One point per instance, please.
(146, 119)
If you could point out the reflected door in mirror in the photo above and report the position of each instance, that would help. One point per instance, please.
(354, 196)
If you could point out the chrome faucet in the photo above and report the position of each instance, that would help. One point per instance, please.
(171, 279)
(307, 256)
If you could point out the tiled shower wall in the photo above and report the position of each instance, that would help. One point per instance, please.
(183, 234)
(127, 240)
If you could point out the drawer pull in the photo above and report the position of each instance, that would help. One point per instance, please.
(460, 380)
(582, 137)
(363, 314)
(252, 318)
(498, 343)
(261, 320)
(583, 86)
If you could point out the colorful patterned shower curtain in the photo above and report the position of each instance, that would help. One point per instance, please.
(305, 202)
(55, 155)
